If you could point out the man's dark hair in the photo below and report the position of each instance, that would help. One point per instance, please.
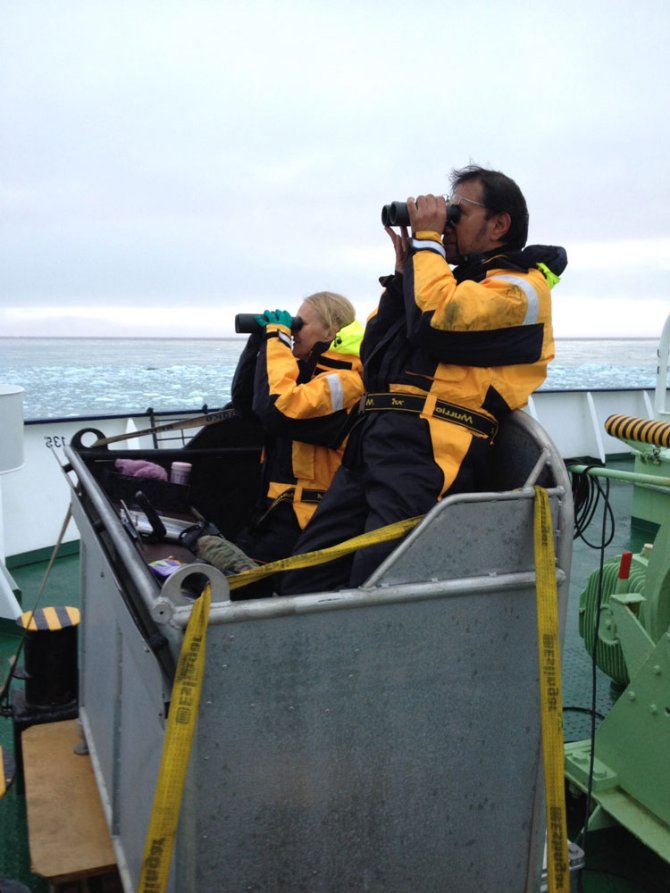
(500, 194)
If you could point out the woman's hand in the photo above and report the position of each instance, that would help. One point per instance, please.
(275, 318)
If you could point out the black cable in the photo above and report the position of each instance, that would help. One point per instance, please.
(582, 495)
(604, 542)
(587, 710)
(587, 491)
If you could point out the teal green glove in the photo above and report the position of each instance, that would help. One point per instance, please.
(275, 318)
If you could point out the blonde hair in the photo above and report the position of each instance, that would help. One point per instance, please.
(335, 311)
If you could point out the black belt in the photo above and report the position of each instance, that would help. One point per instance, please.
(312, 495)
(287, 496)
(305, 496)
(480, 425)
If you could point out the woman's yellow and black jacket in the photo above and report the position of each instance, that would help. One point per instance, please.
(473, 343)
(305, 408)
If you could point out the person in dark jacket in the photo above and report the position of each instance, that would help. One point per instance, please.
(447, 355)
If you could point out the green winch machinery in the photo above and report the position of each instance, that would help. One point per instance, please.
(625, 623)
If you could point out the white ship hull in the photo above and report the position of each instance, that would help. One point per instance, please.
(35, 498)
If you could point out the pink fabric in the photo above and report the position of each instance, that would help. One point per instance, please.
(140, 468)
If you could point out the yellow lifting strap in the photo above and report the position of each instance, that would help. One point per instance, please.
(551, 699)
(321, 556)
(179, 731)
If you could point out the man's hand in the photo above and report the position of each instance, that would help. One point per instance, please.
(401, 245)
(427, 213)
(275, 318)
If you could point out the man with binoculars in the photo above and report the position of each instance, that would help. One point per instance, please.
(446, 356)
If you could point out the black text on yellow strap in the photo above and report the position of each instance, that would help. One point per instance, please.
(479, 424)
(551, 700)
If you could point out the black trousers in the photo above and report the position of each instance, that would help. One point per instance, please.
(274, 538)
(390, 475)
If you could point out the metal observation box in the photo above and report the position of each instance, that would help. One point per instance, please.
(385, 738)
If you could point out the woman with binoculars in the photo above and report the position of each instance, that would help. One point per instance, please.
(301, 381)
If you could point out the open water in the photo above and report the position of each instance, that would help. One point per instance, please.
(87, 376)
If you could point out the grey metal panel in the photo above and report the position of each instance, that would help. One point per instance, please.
(443, 548)
(141, 727)
(380, 739)
(386, 748)
(121, 698)
(100, 657)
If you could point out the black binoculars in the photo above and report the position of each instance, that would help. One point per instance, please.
(396, 214)
(246, 323)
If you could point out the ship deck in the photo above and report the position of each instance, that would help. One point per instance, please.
(616, 862)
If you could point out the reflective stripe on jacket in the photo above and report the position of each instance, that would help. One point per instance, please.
(305, 407)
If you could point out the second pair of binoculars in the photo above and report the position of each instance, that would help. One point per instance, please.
(397, 214)
(246, 323)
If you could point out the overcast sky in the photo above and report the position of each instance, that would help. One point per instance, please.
(165, 165)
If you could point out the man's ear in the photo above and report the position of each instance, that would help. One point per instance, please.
(501, 224)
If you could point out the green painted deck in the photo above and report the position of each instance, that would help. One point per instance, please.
(616, 861)
(62, 589)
